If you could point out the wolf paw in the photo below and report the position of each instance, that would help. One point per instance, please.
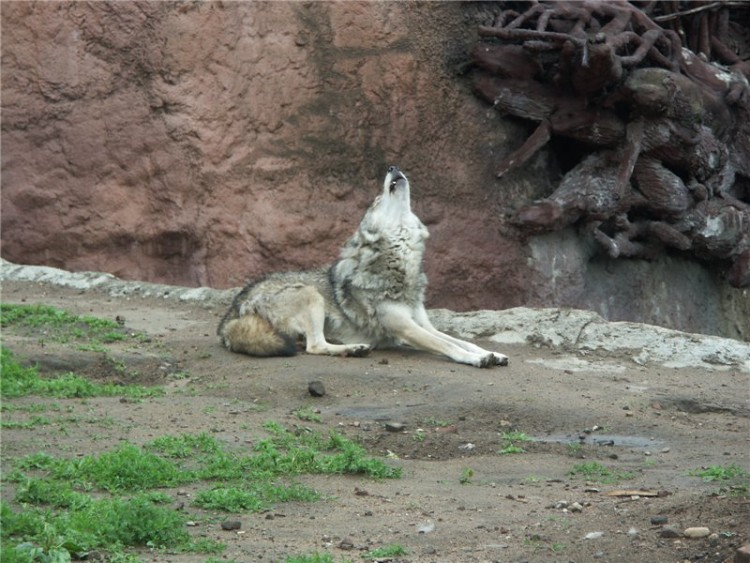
(358, 350)
(500, 359)
(493, 359)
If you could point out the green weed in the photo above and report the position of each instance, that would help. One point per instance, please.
(61, 326)
(721, 473)
(511, 449)
(314, 558)
(595, 471)
(511, 439)
(307, 414)
(732, 479)
(18, 381)
(432, 421)
(386, 552)
(29, 424)
(467, 474)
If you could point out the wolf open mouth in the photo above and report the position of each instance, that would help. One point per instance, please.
(396, 175)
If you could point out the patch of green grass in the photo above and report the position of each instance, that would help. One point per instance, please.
(308, 414)
(595, 471)
(386, 552)
(515, 436)
(59, 325)
(511, 442)
(28, 424)
(186, 445)
(732, 479)
(511, 449)
(18, 381)
(253, 497)
(467, 474)
(61, 517)
(432, 421)
(109, 523)
(314, 558)
(721, 473)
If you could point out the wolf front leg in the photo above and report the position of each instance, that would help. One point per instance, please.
(398, 319)
(305, 308)
(420, 316)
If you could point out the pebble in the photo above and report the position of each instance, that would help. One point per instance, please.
(670, 532)
(576, 507)
(316, 388)
(742, 555)
(394, 426)
(659, 520)
(593, 535)
(697, 532)
(346, 544)
(231, 525)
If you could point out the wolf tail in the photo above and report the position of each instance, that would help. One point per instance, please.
(253, 335)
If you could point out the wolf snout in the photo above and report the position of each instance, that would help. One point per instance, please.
(395, 173)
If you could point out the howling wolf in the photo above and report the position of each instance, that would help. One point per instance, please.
(372, 296)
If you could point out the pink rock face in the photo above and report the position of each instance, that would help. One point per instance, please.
(208, 143)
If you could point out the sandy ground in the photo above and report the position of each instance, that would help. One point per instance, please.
(656, 422)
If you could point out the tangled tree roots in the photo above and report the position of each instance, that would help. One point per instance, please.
(660, 132)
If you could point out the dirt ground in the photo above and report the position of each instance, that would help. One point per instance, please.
(459, 498)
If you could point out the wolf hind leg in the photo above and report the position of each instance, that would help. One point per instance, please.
(253, 335)
(309, 320)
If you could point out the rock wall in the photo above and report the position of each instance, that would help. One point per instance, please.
(206, 143)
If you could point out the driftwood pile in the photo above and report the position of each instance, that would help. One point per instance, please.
(652, 100)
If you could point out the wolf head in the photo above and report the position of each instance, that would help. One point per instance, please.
(395, 198)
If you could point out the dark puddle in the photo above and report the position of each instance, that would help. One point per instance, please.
(604, 440)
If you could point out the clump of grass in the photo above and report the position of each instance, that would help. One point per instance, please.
(314, 558)
(63, 519)
(60, 325)
(595, 471)
(307, 414)
(19, 381)
(99, 524)
(386, 552)
(721, 473)
(511, 442)
(732, 478)
(467, 474)
(129, 508)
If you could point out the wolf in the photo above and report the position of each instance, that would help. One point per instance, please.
(373, 296)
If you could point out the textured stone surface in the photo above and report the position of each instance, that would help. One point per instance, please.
(206, 143)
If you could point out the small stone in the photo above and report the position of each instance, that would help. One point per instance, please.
(346, 544)
(231, 525)
(394, 426)
(576, 507)
(742, 555)
(594, 535)
(659, 520)
(697, 532)
(316, 388)
(669, 532)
